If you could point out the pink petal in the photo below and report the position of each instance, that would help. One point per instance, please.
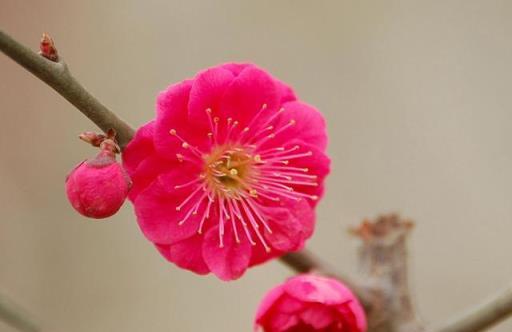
(158, 219)
(172, 113)
(246, 95)
(186, 254)
(260, 255)
(147, 171)
(269, 300)
(286, 93)
(207, 91)
(318, 316)
(310, 126)
(230, 261)
(280, 322)
(289, 305)
(313, 288)
(352, 314)
(317, 164)
(291, 225)
(139, 148)
(235, 68)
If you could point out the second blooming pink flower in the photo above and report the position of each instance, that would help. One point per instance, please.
(229, 173)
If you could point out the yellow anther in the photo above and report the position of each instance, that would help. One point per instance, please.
(233, 171)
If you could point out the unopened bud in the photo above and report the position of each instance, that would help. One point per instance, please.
(47, 48)
(97, 188)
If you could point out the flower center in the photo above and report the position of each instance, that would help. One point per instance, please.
(240, 176)
(228, 169)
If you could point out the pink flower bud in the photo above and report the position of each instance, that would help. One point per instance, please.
(310, 303)
(97, 187)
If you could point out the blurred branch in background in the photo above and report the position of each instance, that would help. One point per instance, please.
(383, 263)
(483, 316)
(384, 287)
(15, 316)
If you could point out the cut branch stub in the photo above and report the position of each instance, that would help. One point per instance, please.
(383, 266)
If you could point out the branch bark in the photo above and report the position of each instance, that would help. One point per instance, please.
(15, 316)
(384, 274)
(58, 76)
(484, 315)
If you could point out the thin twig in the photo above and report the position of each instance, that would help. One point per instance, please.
(483, 316)
(15, 316)
(57, 75)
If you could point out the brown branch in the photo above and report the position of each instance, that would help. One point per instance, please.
(15, 316)
(384, 274)
(484, 315)
(58, 76)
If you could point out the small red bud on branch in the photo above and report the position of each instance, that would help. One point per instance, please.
(47, 48)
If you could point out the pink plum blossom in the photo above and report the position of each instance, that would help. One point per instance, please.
(308, 303)
(229, 173)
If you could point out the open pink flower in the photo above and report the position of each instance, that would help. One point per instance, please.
(228, 174)
(309, 303)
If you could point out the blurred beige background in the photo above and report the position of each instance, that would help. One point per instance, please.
(418, 101)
